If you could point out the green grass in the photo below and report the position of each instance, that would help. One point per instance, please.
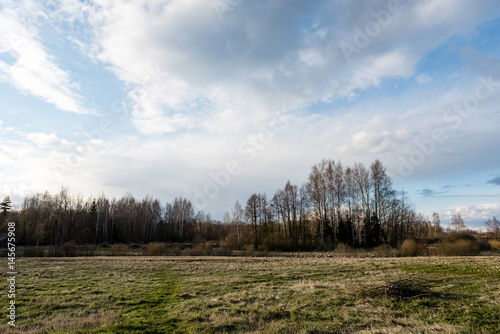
(254, 295)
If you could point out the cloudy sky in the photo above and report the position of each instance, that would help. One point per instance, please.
(217, 99)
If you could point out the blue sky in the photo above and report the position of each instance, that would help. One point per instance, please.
(217, 99)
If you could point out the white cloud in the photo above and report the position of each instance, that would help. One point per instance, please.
(34, 71)
(50, 141)
(476, 214)
(423, 78)
(253, 53)
(202, 78)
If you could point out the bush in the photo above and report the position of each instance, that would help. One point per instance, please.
(156, 249)
(484, 245)
(494, 244)
(250, 250)
(343, 248)
(458, 248)
(461, 236)
(69, 248)
(55, 251)
(412, 248)
(30, 251)
(119, 249)
(87, 250)
(201, 249)
(385, 251)
(174, 251)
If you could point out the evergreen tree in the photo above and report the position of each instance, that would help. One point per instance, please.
(372, 231)
(345, 231)
(5, 207)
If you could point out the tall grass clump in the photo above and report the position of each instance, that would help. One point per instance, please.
(201, 249)
(156, 249)
(31, 251)
(250, 250)
(119, 249)
(343, 248)
(458, 248)
(385, 251)
(69, 248)
(412, 248)
(494, 244)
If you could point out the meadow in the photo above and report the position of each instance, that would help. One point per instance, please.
(311, 293)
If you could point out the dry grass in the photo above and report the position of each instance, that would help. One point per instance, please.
(494, 244)
(404, 287)
(119, 249)
(308, 294)
(412, 248)
(62, 323)
(156, 249)
(458, 248)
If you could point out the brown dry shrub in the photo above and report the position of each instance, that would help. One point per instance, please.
(119, 249)
(412, 248)
(494, 244)
(343, 248)
(69, 248)
(200, 249)
(385, 251)
(458, 248)
(156, 249)
(250, 250)
(31, 251)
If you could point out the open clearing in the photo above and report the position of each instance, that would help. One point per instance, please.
(312, 294)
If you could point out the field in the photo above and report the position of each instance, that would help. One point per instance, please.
(317, 293)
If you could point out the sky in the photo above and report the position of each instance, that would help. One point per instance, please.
(214, 100)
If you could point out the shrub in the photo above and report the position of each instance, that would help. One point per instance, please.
(484, 245)
(156, 249)
(343, 248)
(461, 236)
(174, 251)
(458, 248)
(263, 249)
(30, 251)
(201, 249)
(412, 248)
(55, 251)
(69, 248)
(119, 249)
(250, 250)
(494, 244)
(385, 251)
(87, 250)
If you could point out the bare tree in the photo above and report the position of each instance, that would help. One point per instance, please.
(457, 222)
(252, 214)
(336, 193)
(382, 186)
(238, 215)
(436, 224)
(493, 226)
(318, 194)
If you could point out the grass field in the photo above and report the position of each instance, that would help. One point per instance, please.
(313, 294)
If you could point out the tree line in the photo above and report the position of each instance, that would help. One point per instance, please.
(354, 205)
